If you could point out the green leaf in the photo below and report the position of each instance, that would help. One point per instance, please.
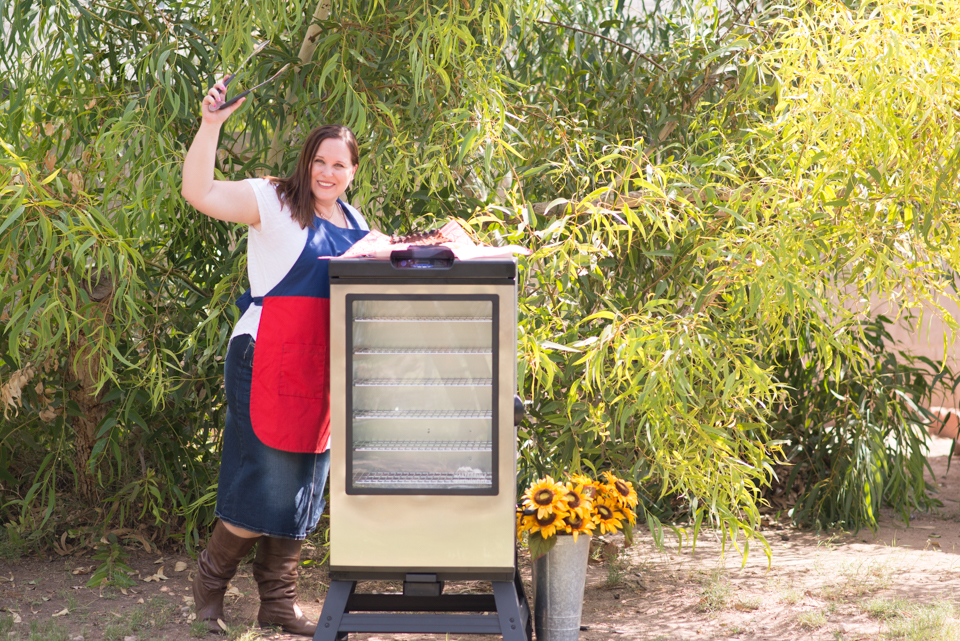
(50, 178)
(539, 545)
(11, 218)
(556, 346)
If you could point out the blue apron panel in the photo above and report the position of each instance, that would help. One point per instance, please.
(307, 277)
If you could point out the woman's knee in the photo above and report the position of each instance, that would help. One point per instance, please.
(237, 531)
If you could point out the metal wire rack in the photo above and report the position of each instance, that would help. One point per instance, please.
(422, 479)
(423, 382)
(404, 414)
(422, 446)
(431, 350)
(424, 319)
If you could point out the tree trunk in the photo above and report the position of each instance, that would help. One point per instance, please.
(83, 368)
(307, 48)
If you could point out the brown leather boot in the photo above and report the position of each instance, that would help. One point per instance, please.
(216, 565)
(275, 570)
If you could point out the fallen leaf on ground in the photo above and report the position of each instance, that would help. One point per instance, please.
(223, 626)
(180, 566)
(62, 613)
(16, 618)
(159, 576)
(62, 548)
(146, 545)
(233, 591)
(83, 569)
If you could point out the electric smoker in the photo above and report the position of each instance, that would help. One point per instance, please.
(423, 443)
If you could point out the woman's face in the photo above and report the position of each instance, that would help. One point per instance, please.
(331, 171)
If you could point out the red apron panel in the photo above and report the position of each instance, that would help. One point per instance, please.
(290, 394)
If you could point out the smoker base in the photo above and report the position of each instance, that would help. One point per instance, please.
(346, 611)
(366, 573)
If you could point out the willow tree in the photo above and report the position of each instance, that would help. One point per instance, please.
(116, 296)
(698, 307)
(711, 193)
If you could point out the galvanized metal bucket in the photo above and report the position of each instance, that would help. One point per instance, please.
(559, 577)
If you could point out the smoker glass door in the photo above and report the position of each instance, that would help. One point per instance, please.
(422, 395)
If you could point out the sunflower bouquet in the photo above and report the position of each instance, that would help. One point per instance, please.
(577, 506)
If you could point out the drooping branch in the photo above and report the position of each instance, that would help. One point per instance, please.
(563, 206)
(611, 40)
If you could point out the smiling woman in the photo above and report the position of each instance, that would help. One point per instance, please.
(275, 457)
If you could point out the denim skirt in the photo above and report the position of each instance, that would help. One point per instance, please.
(261, 489)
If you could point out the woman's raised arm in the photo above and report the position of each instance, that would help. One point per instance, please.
(233, 201)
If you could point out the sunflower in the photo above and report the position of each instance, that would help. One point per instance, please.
(524, 522)
(546, 496)
(548, 525)
(576, 525)
(589, 485)
(577, 502)
(607, 515)
(622, 490)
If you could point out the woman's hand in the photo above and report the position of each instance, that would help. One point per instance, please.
(214, 98)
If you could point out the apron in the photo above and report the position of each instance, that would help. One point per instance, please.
(290, 392)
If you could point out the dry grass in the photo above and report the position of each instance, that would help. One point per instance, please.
(937, 622)
(715, 593)
(812, 620)
(856, 579)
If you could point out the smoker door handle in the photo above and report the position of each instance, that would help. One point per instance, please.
(518, 410)
(422, 257)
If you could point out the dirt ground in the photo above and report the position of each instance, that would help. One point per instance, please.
(900, 583)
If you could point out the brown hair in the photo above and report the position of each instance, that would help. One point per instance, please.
(295, 190)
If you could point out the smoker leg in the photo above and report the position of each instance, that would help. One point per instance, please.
(328, 627)
(513, 623)
(524, 605)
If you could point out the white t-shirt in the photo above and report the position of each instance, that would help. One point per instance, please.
(273, 250)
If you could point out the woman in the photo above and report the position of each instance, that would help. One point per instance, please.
(275, 457)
